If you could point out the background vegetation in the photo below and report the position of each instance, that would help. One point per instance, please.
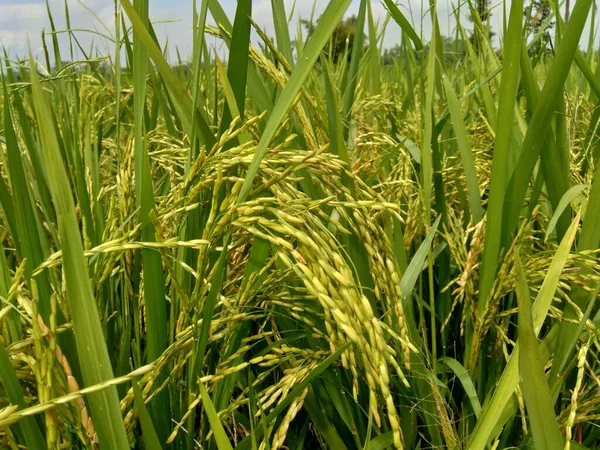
(316, 244)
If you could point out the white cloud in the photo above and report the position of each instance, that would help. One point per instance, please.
(22, 23)
(15, 20)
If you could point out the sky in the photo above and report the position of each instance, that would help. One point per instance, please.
(23, 20)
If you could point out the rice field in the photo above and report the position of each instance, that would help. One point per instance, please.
(313, 243)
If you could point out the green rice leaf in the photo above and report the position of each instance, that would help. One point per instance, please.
(464, 147)
(489, 421)
(499, 178)
(403, 23)
(351, 77)
(181, 97)
(538, 401)
(409, 278)
(282, 31)
(93, 354)
(565, 201)
(535, 137)
(374, 57)
(154, 281)
(317, 41)
(237, 68)
(151, 441)
(381, 442)
(215, 423)
(27, 427)
(28, 235)
(467, 383)
(428, 119)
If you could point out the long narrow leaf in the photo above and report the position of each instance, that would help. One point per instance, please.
(310, 54)
(403, 23)
(506, 108)
(544, 427)
(95, 362)
(496, 402)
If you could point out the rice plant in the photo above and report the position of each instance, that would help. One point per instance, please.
(314, 242)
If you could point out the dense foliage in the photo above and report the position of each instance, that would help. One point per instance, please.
(313, 245)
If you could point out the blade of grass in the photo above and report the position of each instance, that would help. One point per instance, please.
(534, 386)
(149, 436)
(256, 261)
(215, 423)
(381, 442)
(554, 162)
(311, 52)
(465, 379)
(464, 147)
(282, 31)
(256, 87)
(589, 239)
(410, 277)
(403, 23)
(336, 130)
(590, 231)
(189, 117)
(28, 426)
(30, 238)
(488, 422)
(237, 68)
(590, 235)
(426, 144)
(374, 57)
(229, 94)
(8, 209)
(338, 399)
(565, 201)
(41, 180)
(323, 425)
(93, 354)
(208, 309)
(154, 282)
(499, 178)
(198, 48)
(479, 72)
(419, 367)
(349, 86)
(534, 139)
